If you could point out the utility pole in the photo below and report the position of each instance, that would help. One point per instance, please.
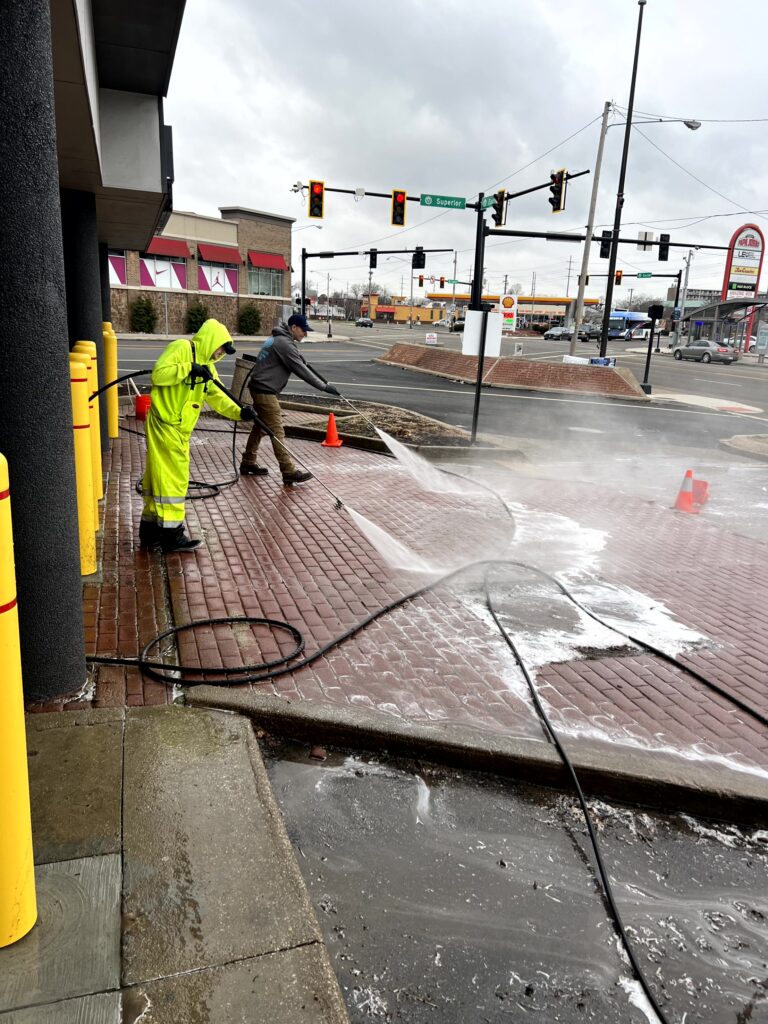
(590, 228)
(533, 294)
(453, 290)
(410, 308)
(370, 303)
(568, 282)
(505, 283)
(677, 333)
(629, 304)
(328, 304)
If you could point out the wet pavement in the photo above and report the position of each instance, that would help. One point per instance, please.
(453, 897)
(692, 584)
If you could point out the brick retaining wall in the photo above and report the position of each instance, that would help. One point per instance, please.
(506, 372)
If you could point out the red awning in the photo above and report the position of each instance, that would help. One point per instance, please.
(168, 247)
(267, 260)
(219, 253)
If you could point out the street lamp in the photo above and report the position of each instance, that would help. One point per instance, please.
(689, 123)
(319, 227)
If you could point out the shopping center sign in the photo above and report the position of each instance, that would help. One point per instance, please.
(745, 261)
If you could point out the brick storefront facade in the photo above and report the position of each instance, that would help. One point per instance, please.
(256, 231)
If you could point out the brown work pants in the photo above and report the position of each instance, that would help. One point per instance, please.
(268, 410)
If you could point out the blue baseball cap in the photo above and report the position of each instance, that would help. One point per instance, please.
(297, 320)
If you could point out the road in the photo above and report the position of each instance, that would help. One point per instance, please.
(526, 414)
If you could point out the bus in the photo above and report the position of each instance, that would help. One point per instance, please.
(624, 322)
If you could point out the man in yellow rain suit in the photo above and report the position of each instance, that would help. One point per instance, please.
(181, 382)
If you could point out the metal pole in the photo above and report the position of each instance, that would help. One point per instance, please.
(303, 281)
(678, 334)
(328, 300)
(453, 290)
(568, 282)
(410, 308)
(645, 385)
(590, 229)
(370, 304)
(620, 194)
(475, 301)
(479, 381)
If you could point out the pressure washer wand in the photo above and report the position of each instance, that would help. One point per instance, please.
(338, 503)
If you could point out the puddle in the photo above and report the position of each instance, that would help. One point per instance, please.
(452, 897)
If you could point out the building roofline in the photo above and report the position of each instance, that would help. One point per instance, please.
(258, 213)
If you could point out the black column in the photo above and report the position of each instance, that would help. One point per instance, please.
(35, 406)
(83, 280)
(106, 296)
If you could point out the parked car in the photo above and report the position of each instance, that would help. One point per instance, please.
(558, 333)
(457, 325)
(441, 323)
(703, 351)
(364, 321)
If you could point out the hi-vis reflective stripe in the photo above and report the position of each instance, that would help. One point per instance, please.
(5, 494)
(169, 501)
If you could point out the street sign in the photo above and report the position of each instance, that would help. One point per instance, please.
(676, 313)
(644, 273)
(488, 202)
(644, 240)
(444, 202)
(450, 280)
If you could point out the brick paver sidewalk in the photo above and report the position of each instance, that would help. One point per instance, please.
(289, 554)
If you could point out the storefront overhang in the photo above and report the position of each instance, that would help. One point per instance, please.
(266, 260)
(168, 247)
(219, 253)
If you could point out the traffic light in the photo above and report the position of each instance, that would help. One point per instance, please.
(605, 245)
(419, 260)
(663, 247)
(316, 199)
(442, 282)
(617, 277)
(421, 280)
(398, 208)
(557, 188)
(374, 258)
(500, 208)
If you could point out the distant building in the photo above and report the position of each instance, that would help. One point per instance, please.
(225, 263)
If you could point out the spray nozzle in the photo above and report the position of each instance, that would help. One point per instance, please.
(338, 506)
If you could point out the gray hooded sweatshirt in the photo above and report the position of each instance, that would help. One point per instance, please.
(278, 358)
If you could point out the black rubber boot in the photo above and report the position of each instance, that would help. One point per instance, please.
(148, 533)
(177, 540)
(252, 469)
(299, 476)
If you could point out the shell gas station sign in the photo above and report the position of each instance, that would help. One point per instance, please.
(745, 261)
(508, 309)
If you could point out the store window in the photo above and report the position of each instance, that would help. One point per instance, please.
(217, 277)
(264, 281)
(162, 272)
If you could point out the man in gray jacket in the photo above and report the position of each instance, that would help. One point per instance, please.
(278, 359)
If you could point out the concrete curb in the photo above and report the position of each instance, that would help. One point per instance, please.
(751, 446)
(627, 774)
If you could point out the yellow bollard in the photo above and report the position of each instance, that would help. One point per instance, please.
(110, 374)
(84, 359)
(89, 347)
(18, 906)
(81, 424)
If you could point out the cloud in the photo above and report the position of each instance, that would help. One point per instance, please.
(453, 98)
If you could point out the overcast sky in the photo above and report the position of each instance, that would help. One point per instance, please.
(453, 98)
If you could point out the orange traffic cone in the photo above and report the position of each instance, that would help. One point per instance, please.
(331, 436)
(684, 502)
(700, 492)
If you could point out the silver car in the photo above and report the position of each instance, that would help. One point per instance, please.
(704, 351)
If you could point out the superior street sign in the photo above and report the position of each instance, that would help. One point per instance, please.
(443, 202)
(644, 273)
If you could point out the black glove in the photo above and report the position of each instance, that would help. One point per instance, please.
(199, 372)
(248, 414)
(331, 390)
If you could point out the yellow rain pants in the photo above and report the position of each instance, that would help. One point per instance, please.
(172, 417)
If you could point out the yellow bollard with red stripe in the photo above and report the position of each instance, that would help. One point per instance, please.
(110, 373)
(87, 517)
(89, 348)
(84, 359)
(18, 905)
